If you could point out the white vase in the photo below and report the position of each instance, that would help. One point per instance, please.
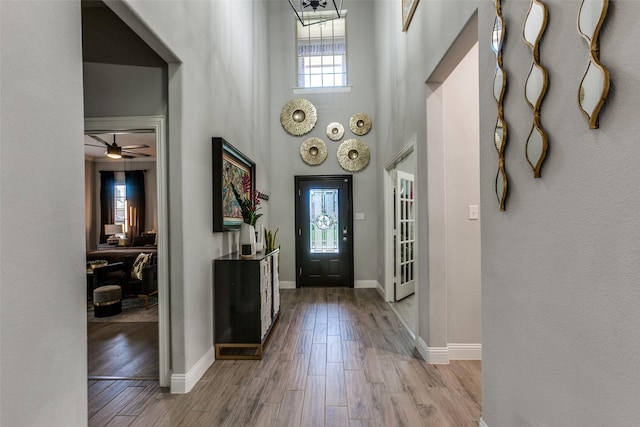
(247, 237)
(259, 238)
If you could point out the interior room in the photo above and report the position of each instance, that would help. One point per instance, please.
(509, 224)
(122, 252)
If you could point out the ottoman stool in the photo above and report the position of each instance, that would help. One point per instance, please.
(107, 300)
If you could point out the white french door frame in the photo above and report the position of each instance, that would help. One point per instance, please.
(404, 220)
(388, 179)
(156, 124)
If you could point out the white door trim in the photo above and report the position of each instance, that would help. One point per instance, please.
(158, 125)
(407, 216)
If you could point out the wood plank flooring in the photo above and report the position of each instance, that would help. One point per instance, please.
(337, 357)
(123, 349)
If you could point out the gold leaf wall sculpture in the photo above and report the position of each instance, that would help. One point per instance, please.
(298, 116)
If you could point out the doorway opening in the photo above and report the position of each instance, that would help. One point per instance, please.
(324, 230)
(453, 204)
(401, 231)
(140, 322)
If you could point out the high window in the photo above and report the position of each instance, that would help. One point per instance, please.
(120, 195)
(322, 54)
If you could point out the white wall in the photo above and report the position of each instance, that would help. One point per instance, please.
(462, 188)
(331, 107)
(453, 184)
(43, 369)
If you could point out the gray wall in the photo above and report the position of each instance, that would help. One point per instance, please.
(219, 87)
(560, 267)
(124, 90)
(333, 107)
(43, 369)
(405, 61)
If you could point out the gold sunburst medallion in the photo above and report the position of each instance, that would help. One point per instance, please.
(313, 151)
(360, 124)
(335, 131)
(298, 116)
(353, 155)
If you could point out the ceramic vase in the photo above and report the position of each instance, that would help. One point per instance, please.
(259, 238)
(247, 237)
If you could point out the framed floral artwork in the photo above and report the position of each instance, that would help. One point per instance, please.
(408, 8)
(230, 166)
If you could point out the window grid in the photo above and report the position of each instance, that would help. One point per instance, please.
(120, 197)
(322, 53)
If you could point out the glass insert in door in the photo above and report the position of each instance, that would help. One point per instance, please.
(324, 224)
(407, 231)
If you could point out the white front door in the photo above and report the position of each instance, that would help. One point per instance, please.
(405, 232)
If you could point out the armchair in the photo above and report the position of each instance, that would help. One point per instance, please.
(144, 287)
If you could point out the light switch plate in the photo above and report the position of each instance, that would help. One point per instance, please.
(474, 212)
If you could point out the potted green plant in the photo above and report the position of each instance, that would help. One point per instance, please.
(249, 205)
(270, 240)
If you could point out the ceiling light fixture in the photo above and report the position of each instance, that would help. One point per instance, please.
(307, 11)
(113, 151)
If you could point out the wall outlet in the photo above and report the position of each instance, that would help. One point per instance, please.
(359, 216)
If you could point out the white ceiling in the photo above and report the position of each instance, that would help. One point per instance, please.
(96, 150)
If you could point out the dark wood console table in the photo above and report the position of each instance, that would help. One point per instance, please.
(246, 303)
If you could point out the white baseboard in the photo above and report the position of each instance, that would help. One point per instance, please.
(286, 284)
(437, 355)
(482, 423)
(361, 284)
(442, 355)
(183, 383)
(465, 351)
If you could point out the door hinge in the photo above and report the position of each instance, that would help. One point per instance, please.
(299, 231)
(300, 273)
(298, 192)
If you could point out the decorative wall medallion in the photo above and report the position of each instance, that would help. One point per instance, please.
(298, 116)
(313, 151)
(536, 85)
(335, 131)
(594, 86)
(360, 124)
(353, 155)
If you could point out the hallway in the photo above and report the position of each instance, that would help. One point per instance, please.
(337, 357)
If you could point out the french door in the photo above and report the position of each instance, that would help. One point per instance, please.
(324, 231)
(405, 232)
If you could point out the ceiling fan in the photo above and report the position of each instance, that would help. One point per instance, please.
(115, 151)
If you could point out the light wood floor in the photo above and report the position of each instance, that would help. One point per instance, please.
(337, 357)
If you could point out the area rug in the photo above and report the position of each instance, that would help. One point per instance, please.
(132, 311)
